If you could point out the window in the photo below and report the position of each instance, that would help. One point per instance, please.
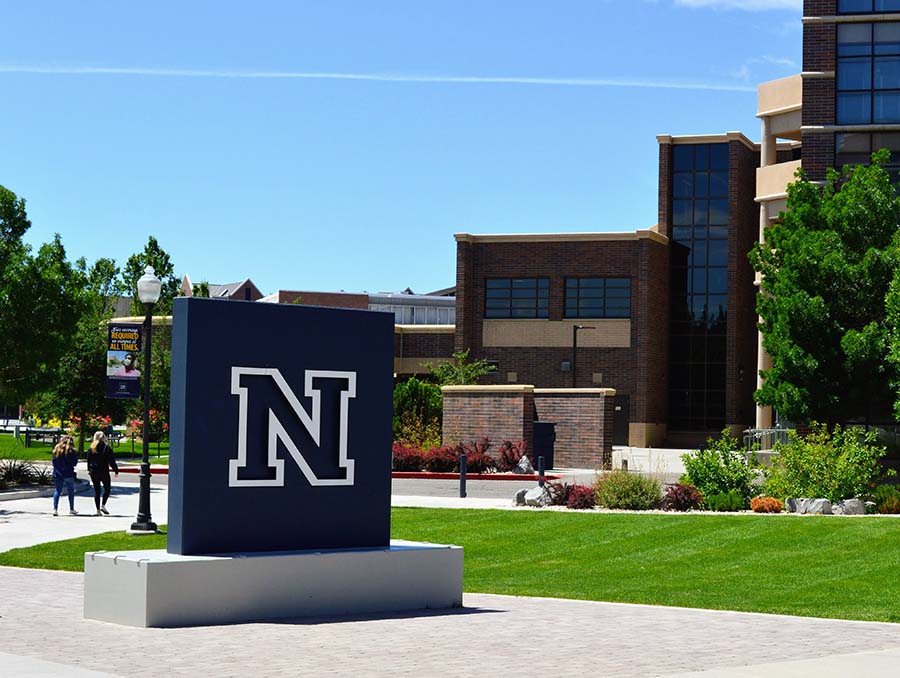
(698, 287)
(598, 297)
(856, 149)
(517, 298)
(868, 73)
(867, 6)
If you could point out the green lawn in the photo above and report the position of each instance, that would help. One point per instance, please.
(9, 447)
(813, 566)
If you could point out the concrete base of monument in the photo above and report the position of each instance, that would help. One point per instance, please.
(156, 588)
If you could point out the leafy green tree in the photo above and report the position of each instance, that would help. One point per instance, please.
(826, 269)
(200, 289)
(40, 305)
(79, 386)
(460, 371)
(155, 256)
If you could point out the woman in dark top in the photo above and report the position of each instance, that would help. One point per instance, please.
(99, 460)
(64, 460)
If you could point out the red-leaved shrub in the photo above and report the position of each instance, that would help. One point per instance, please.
(581, 497)
(559, 493)
(508, 455)
(766, 505)
(680, 497)
(442, 459)
(407, 458)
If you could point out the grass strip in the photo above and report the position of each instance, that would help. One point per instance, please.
(811, 566)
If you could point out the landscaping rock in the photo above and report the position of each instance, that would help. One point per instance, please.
(537, 496)
(519, 499)
(524, 466)
(808, 506)
(850, 507)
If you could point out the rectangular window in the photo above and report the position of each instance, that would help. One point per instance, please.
(517, 298)
(699, 286)
(868, 73)
(868, 6)
(598, 297)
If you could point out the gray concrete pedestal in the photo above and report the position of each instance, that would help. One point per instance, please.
(156, 588)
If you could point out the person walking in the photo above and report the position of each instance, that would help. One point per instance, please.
(100, 459)
(65, 458)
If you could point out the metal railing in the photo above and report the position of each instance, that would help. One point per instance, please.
(764, 438)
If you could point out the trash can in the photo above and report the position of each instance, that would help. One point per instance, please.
(544, 438)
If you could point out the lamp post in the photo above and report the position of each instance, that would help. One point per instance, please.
(575, 329)
(149, 287)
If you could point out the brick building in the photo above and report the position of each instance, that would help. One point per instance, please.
(669, 314)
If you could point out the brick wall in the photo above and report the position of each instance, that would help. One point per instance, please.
(332, 299)
(819, 7)
(583, 417)
(584, 426)
(409, 343)
(504, 413)
(665, 188)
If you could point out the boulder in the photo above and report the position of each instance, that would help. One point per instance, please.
(850, 507)
(524, 466)
(808, 506)
(537, 496)
(519, 499)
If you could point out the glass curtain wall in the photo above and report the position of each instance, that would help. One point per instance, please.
(699, 287)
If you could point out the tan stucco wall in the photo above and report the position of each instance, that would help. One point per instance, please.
(776, 96)
(557, 333)
(772, 181)
(646, 435)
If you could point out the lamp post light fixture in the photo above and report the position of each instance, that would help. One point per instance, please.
(575, 329)
(149, 287)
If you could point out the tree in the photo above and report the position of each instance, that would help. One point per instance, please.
(459, 370)
(79, 387)
(826, 269)
(39, 305)
(153, 255)
(200, 289)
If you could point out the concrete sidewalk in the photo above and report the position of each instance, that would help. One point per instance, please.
(44, 634)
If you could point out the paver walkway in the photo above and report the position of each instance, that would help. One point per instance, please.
(40, 618)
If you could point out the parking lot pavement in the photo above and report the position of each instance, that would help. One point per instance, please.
(41, 621)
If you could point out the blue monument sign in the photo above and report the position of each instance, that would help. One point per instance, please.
(280, 428)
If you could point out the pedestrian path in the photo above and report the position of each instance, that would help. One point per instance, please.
(41, 623)
(26, 522)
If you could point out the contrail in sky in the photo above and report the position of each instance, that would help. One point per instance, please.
(373, 77)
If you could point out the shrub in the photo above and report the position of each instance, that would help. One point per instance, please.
(766, 505)
(43, 475)
(477, 458)
(508, 455)
(407, 458)
(726, 501)
(442, 459)
(559, 493)
(418, 408)
(581, 497)
(835, 466)
(623, 490)
(887, 499)
(720, 468)
(15, 470)
(680, 497)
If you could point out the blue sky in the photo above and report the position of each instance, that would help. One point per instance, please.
(340, 144)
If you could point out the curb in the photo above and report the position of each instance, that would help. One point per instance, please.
(154, 470)
(81, 487)
(425, 475)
